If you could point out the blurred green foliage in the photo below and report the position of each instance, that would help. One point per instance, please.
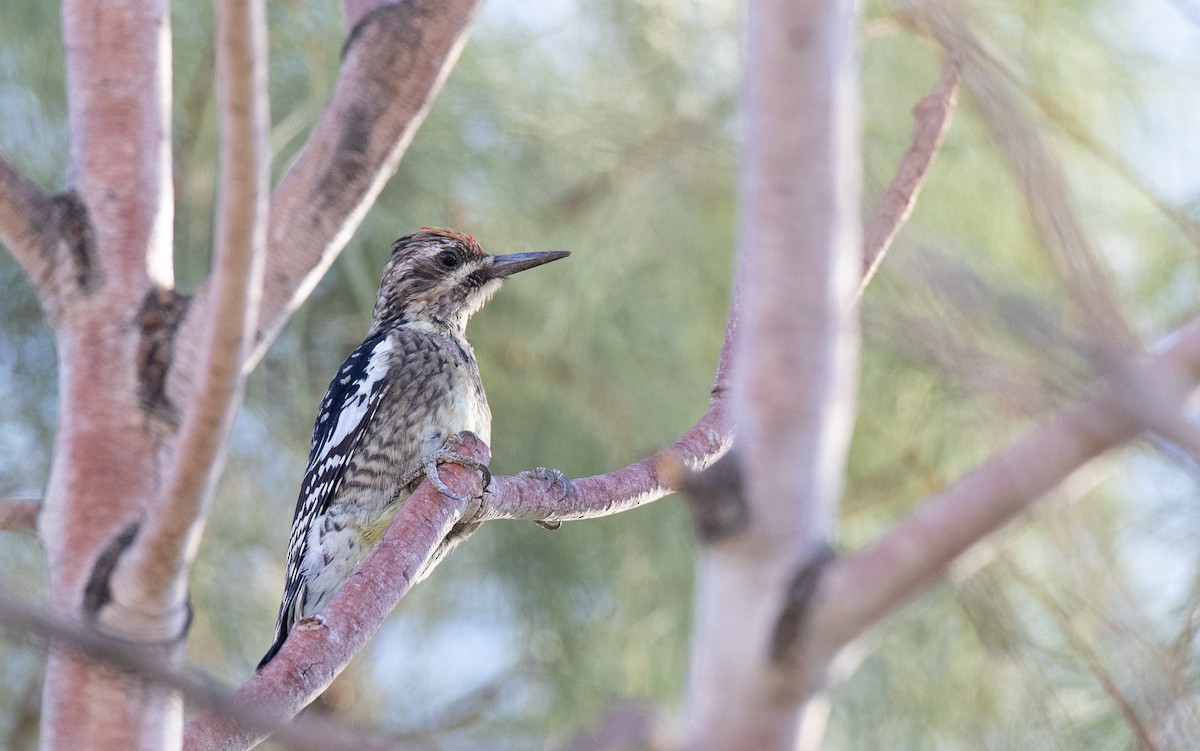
(609, 129)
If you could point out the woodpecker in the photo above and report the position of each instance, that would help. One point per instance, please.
(391, 411)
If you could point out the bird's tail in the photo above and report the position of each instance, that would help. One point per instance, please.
(274, 650)
(288, 613)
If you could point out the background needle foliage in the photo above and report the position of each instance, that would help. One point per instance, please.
(609, 129)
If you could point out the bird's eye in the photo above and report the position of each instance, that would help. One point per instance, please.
(448, 259)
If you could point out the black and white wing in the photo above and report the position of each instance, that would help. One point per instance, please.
(347, 409)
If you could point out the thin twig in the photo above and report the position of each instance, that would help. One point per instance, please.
(1038, 175)
(1078, 643)
(932, 115)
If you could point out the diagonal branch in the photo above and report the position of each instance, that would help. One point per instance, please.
(19, 514)
(916, 552)
(393, 66)
(312, 657)
(151, 579)
(356, 10)
(1077, 131)
(933, 115)
(26, 228)
(311, 733)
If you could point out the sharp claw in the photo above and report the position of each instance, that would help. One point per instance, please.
(432, 473)
(550, 525)
(552, 476)
(446, 455)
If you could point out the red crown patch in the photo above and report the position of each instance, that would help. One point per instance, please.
(466, 240)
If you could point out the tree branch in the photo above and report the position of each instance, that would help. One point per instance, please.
(148, 663)
(637, 484)
(916, 552)
(393, 66)
(613, 492)
(118, 100)
(19, 514)
(711, 437)
(26, 228)
(799, 245)
(150, 582)
(312, 657)
(932, 115)
(356, 10)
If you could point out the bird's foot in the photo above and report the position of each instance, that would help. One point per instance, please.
(447, 455)
(552, 476)
(556, 479)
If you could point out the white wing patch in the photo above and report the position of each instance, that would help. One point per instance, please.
(357, 388)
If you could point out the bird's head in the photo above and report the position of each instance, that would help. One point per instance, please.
(442, 277)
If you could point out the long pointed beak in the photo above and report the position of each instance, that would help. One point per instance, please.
(509, 264)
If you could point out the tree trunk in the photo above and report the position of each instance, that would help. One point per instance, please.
(794, 372)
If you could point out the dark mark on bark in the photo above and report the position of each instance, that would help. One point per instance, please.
(159, 319)
(360, 27)
(392, 18)
(719, 511)
(382, 64)
(350, 157)
(789, 629)
(72, 233)
(98, 592)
